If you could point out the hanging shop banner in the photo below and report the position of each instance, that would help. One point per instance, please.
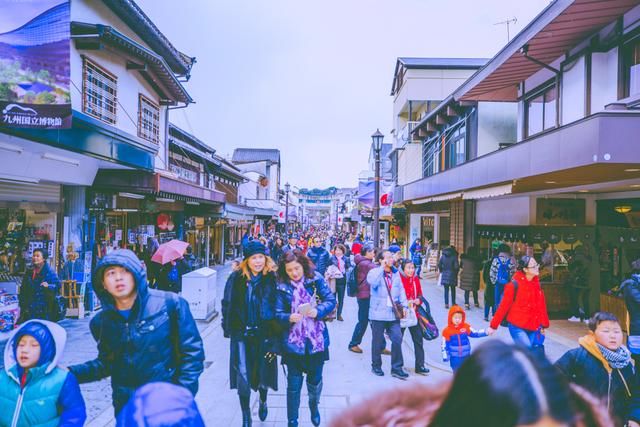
(34, 64)
(366, 193)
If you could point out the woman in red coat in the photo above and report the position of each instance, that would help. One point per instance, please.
(413, 289)
(524, 306)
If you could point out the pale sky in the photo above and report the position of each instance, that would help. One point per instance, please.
(312, 78)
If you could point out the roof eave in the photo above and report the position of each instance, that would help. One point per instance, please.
(544, 18)
(139, 22)
(118, 40)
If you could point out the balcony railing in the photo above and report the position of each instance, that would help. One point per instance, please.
(405, 134)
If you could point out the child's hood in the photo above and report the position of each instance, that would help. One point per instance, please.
(59, 337)
(453, 310)
(451, 329)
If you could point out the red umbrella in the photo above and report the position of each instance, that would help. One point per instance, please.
(169, 251)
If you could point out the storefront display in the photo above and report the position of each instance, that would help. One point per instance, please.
(553, 247)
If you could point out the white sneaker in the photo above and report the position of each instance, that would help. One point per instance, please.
(574, 319)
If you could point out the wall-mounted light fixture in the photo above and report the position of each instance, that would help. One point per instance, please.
(623, 209)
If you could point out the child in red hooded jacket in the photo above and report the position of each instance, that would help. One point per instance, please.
(455, 338)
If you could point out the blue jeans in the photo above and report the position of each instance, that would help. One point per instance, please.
(499, 289)
(363, 321)
(525, 338)
(450, 289)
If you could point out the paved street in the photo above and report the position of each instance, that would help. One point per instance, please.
(347, 375)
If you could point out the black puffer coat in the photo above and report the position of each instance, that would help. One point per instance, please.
(631, 291)
(470, 273)
(449, 267)
(158, 342)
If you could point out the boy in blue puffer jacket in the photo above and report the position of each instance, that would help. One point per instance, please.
(35, 390)
(455, 338)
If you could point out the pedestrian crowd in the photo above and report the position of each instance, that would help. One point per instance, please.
(276, 307)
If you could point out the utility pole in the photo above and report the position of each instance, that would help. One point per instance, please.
(507, 23)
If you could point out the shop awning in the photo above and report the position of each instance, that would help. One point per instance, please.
(239, 213)
(485, 193)
(440, 198)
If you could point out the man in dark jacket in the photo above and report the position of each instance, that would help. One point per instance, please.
(319, 255)
(603, 366)
(143, 334)
(364, 264)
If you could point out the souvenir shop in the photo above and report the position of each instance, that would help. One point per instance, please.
(29, 216)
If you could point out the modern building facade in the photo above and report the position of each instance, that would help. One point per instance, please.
(566, 181)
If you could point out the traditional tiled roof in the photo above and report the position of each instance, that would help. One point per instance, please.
(139, 22)
(252, 155)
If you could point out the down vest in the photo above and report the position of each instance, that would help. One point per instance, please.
(158, 342)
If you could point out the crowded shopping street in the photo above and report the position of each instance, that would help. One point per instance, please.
(292, 213)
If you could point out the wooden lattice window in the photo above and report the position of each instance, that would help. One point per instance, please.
(148, 120)
(99, 92)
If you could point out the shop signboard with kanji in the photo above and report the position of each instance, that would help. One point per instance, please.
(35, 64)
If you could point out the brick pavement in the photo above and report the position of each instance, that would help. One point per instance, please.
(347, 375)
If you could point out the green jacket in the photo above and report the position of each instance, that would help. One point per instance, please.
(36, 405)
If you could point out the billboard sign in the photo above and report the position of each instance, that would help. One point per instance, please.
(35, 64)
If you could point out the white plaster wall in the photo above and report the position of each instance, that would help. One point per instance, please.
(507, 211)
(96, 12)
(410, 164)
(130, 84)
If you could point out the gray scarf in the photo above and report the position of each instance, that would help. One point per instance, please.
(617, 359)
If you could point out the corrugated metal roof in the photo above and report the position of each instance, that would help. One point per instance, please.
(558, 28)
(439, 63)
(251, 155)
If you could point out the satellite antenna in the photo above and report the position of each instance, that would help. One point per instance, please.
(507, 23)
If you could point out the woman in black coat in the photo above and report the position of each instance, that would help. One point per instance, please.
(470, 266)
(39, 290)
(449, 267)
(248, 319)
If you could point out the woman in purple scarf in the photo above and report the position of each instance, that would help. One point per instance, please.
(303, 300)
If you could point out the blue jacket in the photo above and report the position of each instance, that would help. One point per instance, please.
(36, 301)
(160, 404)
(158, 342)
(284, 296)
(320, 257)
(379, 308)
(52, 395)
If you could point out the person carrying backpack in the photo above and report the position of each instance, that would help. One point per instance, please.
(502, 270)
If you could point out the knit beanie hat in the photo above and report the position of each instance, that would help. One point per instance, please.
(253, 248)
(41, 334)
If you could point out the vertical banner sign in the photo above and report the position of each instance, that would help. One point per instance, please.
(34, 64)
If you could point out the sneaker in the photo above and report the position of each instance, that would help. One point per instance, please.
(423, 370)
(355, 349)
(386, 352)
(377, 371)
(400, 374)
(446, 306)
(574, 319)
(486, 319)
(340, 319)
(467, 307)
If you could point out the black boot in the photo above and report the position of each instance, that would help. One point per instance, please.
(314, 391)
(263, 411)
(246, 411)
(294, 387)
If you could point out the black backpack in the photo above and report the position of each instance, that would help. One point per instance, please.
(352, 281)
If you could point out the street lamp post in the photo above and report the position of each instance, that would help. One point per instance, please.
(287, 187)
(377, 138)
